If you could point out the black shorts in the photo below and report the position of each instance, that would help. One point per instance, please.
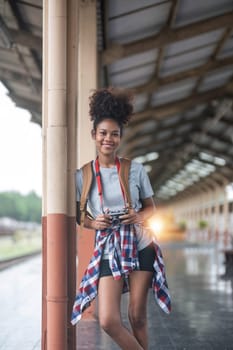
(146, 258)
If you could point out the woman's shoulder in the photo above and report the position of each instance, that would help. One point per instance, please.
(136, 169)
(136, 166)
(80, 170)
(79, 177)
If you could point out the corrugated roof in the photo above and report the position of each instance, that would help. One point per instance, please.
(175, 56)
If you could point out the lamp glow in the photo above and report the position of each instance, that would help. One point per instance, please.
(156, 225)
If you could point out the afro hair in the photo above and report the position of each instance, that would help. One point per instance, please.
(109, 103)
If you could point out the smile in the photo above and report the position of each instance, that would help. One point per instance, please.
(107, 145)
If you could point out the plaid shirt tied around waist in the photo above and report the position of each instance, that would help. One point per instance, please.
(123, 259)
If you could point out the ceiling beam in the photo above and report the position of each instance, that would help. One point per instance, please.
(198, 134)
(218, 153)
(156, 83)
(21, 37)
(222, 177)
(163, 147)
(171, 161)
(132, 144)
(184, 150)
(17, 68)
(171, 108)
(207, 183)
(195, 123)
(165, 37)
(36, 118)
(179, 106)
(160, 56)
(220, 45)
(222, 136)
(195, 127)
(19, 78)
(217, 178)
(31, 106)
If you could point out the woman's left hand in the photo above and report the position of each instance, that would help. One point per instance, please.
(134, 217)
(131, 217)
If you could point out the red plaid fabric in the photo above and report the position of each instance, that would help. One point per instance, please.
(123, 259)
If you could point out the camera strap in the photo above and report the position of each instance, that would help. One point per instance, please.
(99, 183)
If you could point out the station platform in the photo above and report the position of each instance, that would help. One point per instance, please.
(20, 306)
(202, 305)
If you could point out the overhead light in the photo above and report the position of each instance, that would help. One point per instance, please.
(147, 157)
(151, 156)
(212, 159)
(206, 156)
(219, 161)
(191, 173)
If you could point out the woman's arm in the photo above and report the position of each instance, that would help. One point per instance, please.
(101, 222)
(147, 210)
(88, 220)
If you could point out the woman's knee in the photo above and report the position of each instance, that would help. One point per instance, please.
(137, 320)
(110, 324)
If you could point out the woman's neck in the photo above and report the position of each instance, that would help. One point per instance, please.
(107, 161)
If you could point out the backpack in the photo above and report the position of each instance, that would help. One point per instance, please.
(87, 181)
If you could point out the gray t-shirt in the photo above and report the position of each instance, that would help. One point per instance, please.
(140, 188)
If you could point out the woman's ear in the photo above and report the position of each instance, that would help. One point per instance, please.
(93, 134)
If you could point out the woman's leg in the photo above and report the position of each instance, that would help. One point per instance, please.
(140, 282)
(109, 300)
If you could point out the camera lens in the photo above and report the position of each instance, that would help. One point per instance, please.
(115, 221)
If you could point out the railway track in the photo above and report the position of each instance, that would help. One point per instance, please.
(4, 264)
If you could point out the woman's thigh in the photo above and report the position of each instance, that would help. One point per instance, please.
(140, 282)
(109, 297)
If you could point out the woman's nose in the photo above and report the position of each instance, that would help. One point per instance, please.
(108, 136)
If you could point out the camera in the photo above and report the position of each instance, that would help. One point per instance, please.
(115, 214)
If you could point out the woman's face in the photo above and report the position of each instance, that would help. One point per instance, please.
(107, 137)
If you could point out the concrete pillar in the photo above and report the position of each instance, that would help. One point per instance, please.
(87, 81)
(59, 162)
(216, 215)
(209, 213)
(205, 217)
(226, 239)
(195, 212)
(57, 294)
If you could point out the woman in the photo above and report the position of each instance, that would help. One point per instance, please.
(125, 258)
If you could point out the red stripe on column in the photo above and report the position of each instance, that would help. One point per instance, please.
(44, 283)
(57, 297)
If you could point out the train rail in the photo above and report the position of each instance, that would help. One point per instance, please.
(6, 263)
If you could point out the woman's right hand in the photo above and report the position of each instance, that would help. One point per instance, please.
(102, 222)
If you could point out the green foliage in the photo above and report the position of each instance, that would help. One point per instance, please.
(182, 226)
(202, 224)
(19, 207)
(20, 244)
